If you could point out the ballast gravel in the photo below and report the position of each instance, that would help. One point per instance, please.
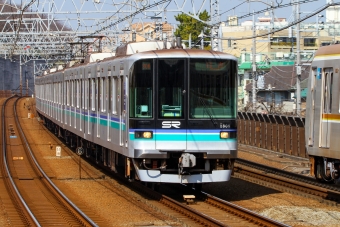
(115, 208)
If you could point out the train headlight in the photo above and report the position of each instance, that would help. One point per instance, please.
(147, 135)
(143, 135)
(224, 135)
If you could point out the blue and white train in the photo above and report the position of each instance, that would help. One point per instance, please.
(155, 112)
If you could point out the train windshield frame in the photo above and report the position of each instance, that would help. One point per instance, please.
(183, 89)
(171, 88)
(141, 89)
(212, 88)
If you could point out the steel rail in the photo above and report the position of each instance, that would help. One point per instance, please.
(69, 202)
(22, 201)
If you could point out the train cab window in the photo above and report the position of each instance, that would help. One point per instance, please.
(171, 87)
(141, 90)
(211, 90)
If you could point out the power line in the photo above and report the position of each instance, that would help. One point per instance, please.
(284, 27)
(131, 15)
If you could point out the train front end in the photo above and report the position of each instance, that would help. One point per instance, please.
(182, 116)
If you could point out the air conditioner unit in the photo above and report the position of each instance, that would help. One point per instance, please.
(247, 81)
(279, 55)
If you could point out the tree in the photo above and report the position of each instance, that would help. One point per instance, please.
(189, 25)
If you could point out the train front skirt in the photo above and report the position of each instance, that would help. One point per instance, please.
(156, 176)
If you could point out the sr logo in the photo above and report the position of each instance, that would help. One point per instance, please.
(169, 124)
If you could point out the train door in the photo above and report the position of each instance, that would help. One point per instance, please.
(82, 103)
(312, 104)
(98, 97)
(78, 107)
(171, 99)
(122, 111)
(326, 107)
(109, 102)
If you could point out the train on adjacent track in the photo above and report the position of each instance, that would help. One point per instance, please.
(322, 126)
(155, 111)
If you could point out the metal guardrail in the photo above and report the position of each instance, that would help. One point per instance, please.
(284, 134)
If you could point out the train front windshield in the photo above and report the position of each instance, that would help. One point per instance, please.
(183, 89)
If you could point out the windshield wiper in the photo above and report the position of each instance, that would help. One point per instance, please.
(207, 110)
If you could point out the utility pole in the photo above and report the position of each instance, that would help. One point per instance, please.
(254, 63)
(20, 72)
(298, 63)
(26, 80)
(215, 20)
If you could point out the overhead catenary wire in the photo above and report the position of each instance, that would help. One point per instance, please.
(18, 28)
(284, 27)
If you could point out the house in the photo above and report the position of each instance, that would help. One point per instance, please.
(276, 89)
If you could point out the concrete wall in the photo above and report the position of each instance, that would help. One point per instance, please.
(10, 76)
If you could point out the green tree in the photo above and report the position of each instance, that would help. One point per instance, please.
(189, 25)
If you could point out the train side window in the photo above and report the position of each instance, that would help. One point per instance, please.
(78, 93)
(98, 93)
(57, 93)
(65, 92)
(109, 91)
(330, 92)
(86, 95)
(60, 93)
(114, 95)
(54, 92)
(325, 103)
(74, 101)
(72, 93)
(327, 96)
(90, 94)
(82, 94)
(103, 97)
(93, 94)
(68, 92)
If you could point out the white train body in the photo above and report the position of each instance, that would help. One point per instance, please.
(162, 115)
(323, 114)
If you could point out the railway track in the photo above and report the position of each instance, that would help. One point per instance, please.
(228, 214)
(286, 181)
(37, 201)
(15, 215)
(206, 211)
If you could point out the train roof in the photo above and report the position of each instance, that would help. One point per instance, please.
(162, 49)
(138, 47)
(165, 49)
(331, 50)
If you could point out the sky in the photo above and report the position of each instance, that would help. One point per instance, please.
(227, 8)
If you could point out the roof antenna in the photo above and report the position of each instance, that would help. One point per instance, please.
(178, 42)
(173, 44)
(165, 43)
